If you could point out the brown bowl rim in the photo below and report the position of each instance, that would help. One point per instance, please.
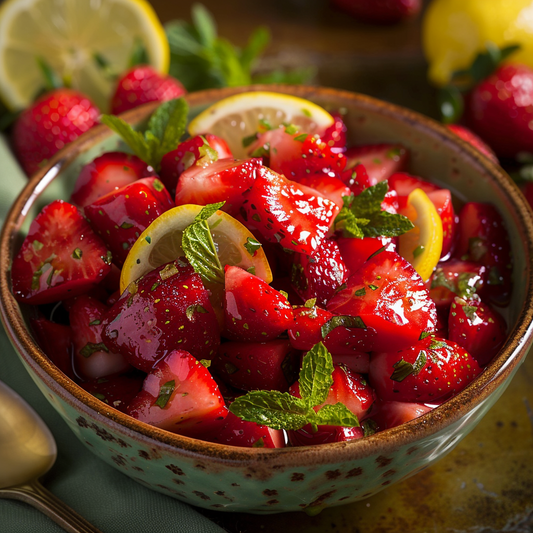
(511, 355)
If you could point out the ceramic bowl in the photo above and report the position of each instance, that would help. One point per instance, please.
(310, 478)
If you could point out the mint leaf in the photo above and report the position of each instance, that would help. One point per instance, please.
(336, 415)
(134, 139)
(362, 216)
(277, 410)
(257, 43)
(346, 321)
(199, 248)
(165, 392)
(204, 24)
(315, 375)
(208, 211)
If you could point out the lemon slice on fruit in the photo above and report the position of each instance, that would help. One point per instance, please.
(422, 246)
(160, 243)
(239, 116)
(68, 34)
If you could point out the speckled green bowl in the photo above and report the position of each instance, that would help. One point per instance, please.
(264, 480)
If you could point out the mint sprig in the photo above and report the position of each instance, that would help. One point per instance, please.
(199, 248)
(164, 132)
(362, 216)
(281, 410)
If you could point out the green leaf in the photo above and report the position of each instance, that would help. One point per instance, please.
(139, 54)
(315, 375)
(451, 104)
(336, 415)
(346, 321)
(168, 124)
(134, 139)
(204, 25)
(165, 392)
(370, 199)
(228, 62)
(387, 224)
(277, 410)
(200, 250)
(208, 211)
(252, 245)
(257, 43)
(50, 77)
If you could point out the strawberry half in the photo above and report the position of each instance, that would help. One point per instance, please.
(387, 295)
(106, 173)
(168, 308)
(285, 212)
(60, 257)
(179, 395)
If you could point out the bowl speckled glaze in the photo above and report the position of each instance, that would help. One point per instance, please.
(275, 480)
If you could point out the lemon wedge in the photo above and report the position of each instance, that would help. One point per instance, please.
(239, 116)
(160, 243)
(422, 246)
(67, 34)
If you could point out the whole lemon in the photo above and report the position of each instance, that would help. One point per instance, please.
(455, 31)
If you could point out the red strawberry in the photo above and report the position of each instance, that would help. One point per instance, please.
(340, 336)
(116, 391)
(388, 295)
(380, 11)
(253, 310)
(165, 309)
(456, 278)
(54, 120)
(355, 252)
(389, 414)
(106, 173)
(237, 432)
(476, 141)
(380, 160)
(484, 240)
(328, 186)
(224, 180)
(285, 212)
(55, 340)
(335, 135)
(92, 359)
(142, 84)
(271, 365)
(121, 216)
(500, 110)
(319, 275)
(306, 436)
(60, 257)
(179, 395)
(478, 328)
(194, 150)
(426, 371)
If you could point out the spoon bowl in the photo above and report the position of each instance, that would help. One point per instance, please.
(27, 451)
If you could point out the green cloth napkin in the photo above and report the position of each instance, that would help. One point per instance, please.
(105, 497)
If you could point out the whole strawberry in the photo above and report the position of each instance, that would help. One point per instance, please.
(470, 137)
(54, 120)
(500, 110)
(379, 11)
(142, 84)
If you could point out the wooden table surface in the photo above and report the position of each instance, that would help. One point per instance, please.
(486, 483)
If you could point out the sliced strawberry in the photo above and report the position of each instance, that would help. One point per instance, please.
(92, 358)
(117, 390)
(307, 436)
(389, 414)
(340, 335)
(426, 371)
(335, 135)
(356, 361)
(224, 180)
(179, 395)
(106, 173)
(193, 151)
(122, 215)
(477, 327)
(328, 186)
(253, 310)
(55, 340)
(356, 178)
(284, 212)
(271, 365)
(380, 160)
(167, 308)
(237, 432)
(388, 295)
(404, 184)
(484, 239)
(319, 275)
(456, 278)
(60, 257)
(355, 252)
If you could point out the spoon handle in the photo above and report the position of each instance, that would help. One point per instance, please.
(35, 494)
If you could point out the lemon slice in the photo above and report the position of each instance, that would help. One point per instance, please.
(422, 246)
(240, 116)
(67, 34)
(160, 243)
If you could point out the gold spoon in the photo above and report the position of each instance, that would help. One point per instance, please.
(27, 451)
